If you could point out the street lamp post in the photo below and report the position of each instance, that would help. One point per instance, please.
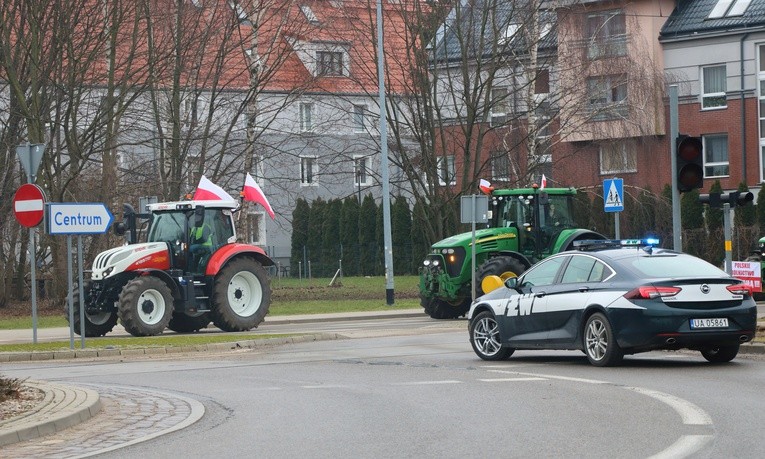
(388, 250)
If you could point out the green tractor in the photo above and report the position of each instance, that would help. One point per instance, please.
(525, 226)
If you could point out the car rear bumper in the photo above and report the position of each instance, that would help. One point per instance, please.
(669, 328)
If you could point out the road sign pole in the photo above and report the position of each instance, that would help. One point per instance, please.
(69, 289)
(81, 290)
(30, 156)
(617, 232)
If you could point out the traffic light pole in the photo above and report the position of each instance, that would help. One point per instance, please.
(677, 243)
(728, 241)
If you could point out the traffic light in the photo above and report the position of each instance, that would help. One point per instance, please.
(734, 198)
(690, 162)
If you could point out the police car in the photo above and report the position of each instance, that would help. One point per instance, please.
(612, 298)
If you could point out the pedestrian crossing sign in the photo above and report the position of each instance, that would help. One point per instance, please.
(613, 195)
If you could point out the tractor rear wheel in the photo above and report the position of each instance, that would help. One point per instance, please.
(95, 324)
(184, 322)
(145, 306)
(241, 295)
(505, 267)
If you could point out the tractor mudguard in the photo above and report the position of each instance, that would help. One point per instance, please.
(228, 251)
(567, 237)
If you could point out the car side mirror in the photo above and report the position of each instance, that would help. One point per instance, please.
(511, 283)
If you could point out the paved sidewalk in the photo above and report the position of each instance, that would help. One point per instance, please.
(63, 407)
(125, 416)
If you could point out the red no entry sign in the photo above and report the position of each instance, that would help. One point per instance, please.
(28, 205)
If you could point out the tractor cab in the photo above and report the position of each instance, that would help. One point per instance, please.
(193, 230)
(538, 216)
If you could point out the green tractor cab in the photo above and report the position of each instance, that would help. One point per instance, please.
(525, 226)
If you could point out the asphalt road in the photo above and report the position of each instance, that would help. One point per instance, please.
(406, 389)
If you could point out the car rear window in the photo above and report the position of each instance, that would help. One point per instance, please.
(673, 266)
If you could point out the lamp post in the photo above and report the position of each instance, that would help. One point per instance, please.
(387, 250)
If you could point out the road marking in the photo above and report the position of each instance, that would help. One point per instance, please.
(512, 379)
(427, 383)
(564, 378)
(684, 447)
(690, 413)
(327, 386)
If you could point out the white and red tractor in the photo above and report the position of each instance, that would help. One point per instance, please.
(173, 281)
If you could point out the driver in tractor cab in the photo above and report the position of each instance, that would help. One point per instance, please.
(200, 246)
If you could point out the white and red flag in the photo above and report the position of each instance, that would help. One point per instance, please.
(208, 191)
(252, 192)
(485, 186)
(543, 183)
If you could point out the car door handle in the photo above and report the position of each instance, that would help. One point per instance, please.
(584, 289)
(540, 294)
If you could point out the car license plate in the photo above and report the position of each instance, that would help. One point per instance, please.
(709, 323)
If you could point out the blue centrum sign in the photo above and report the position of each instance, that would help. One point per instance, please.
(78, 218)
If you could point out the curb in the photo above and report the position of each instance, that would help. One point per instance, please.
(212, 347)
(63, 407)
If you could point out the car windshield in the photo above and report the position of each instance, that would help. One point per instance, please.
(672, 265)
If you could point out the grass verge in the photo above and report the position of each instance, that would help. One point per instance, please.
(128, 342)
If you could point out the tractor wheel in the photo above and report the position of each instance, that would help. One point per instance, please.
(440, 309)
(505, 267)
(95, 324)
(145, 306)
(241, 295)
(183, 322)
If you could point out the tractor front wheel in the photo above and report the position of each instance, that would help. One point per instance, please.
(95, 324)
(145, 306)
(241, 295)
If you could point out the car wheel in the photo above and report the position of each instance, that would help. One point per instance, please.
(721, 354)
(599, 342)
(485, 339)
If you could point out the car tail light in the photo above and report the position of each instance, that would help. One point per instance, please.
(649, 292)
(739, 289)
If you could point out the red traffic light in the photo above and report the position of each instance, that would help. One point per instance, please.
(690, 163)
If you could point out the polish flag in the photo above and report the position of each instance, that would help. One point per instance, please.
(208, 191)
(252, 192)
(485, 186)
(543, 184)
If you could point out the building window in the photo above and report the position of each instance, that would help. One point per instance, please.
(620, 156)
(306, 112)
(359, 115)
(713, 86)
(606, 34)
(329, 63)
(361, 165)
(447, 173)
(729, 8)
(607, 97)
(309, 168)
(500, 166)
(715, 155)
(256, 228)
(499, 106)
